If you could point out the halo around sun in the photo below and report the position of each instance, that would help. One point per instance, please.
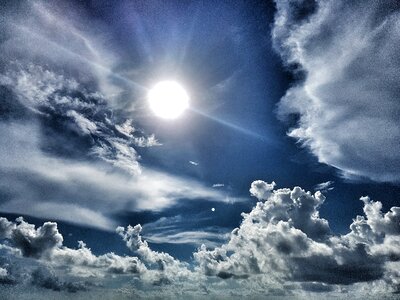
(168, 99)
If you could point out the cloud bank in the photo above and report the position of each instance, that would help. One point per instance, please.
(282, 247)
(346, 54)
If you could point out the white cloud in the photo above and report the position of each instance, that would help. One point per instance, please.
(86, 126)
(218, 185)
(261, 190)
(178, 230)
(348, 101)
(324, 186)
(282, 247)
(86, 193)
(285, 239)
(68, 168)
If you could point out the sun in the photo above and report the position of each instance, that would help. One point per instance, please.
(168, 99)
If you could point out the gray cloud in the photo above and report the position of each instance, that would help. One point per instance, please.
(46, 279)
(346, 53)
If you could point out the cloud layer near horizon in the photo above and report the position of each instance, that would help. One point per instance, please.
(348, 98)
(281, 247)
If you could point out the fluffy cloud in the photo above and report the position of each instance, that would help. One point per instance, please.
(285, 238)
(260, 189)
(282, 247)
(347, 99)
(45, 243)
(165, 268)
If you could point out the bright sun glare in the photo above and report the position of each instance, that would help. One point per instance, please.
(168, 99)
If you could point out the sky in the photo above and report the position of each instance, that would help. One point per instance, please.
(280, 179)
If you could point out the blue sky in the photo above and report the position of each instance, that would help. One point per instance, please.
(300, 93)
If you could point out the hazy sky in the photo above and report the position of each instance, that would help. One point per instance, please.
(252, 191)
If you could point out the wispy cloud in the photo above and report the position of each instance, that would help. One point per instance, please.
(94, 188)
(179, 230)
(218, 185)
(324, 186)
(345, 71)
(71, 152)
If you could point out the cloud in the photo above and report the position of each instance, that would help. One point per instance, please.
(260, 189)
(167, 268)
(218, 185)
(181, 230)
(46, 279)
(285, 238)
(5, 277)
(45, 243)
(345, 56)
(324, 186)
(71, 185)
(73, 146)
(282, 247)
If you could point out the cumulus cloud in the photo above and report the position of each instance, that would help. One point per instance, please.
(165, 267)
(45, 243)
(282, 247)
(285, 238)
(260, 189)
(347, 98)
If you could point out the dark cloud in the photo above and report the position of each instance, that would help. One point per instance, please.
(36, 242)
(46, 279)
(5, 277)
(347, 102)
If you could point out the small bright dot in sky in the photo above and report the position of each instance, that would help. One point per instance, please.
(168, 99)
(213, 209)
